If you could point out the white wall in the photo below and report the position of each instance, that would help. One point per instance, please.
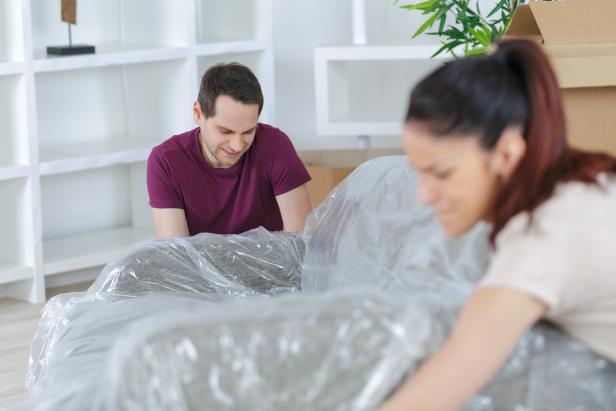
(299, 27)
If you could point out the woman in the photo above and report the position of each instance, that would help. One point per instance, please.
(487, 138)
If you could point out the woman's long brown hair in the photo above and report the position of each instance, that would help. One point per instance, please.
(515, 85)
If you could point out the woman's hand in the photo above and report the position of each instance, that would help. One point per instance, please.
(489, 326)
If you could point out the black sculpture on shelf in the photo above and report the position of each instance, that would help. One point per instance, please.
(69, 15)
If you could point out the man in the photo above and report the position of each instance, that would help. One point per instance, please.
(232, 173)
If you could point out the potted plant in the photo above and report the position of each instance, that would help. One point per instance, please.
(471, 30)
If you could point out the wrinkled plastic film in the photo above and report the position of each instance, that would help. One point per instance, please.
(371, 232)
(254, 262)
(221, 322)
(287, 352)
(77, 330)
(65, 369)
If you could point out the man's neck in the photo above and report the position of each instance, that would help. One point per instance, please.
(205, 152)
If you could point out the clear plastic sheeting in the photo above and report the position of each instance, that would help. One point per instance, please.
(77, 331)
(219, 322)
(550, 371)
(343, 351)
(255, 262)
(371, 232)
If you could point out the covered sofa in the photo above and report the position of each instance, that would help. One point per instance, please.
(330, 319)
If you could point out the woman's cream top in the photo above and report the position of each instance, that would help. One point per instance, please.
(566, 258)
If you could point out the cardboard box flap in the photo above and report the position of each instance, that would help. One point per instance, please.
(575, 21)
(578, 35)
(523, 23)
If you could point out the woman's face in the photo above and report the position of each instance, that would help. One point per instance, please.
(457, 177)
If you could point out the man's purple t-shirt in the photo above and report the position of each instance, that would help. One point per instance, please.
(225, 200)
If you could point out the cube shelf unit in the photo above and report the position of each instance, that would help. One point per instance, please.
(75, 132)
(362, 89)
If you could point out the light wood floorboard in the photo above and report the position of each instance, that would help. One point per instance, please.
(18, 323)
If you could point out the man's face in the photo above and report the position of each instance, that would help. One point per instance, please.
(227, 135)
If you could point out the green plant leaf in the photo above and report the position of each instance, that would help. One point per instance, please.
(428, 23)
(477, 51)
(453, 33)
(488, 32)
(496, 8)
(468, 27)
(481, 37)
(448, 47)
(442, 21)
(420, 6)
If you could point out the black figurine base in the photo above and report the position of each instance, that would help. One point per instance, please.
(72, 50)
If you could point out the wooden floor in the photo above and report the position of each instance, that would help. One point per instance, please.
(18, 322)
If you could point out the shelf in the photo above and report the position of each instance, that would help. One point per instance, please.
(219, 21)
(377, 53)
(214, 49)
(90, 249)
(350, 128)
(124, 54)
(89, 155)
(11, 32)
(16, 253)
(362, 90)
(132, 26)
(111, 109)
(110, 55)
(11, 68)
(91, 215)
(10, 272)
(10, 171)
(13, 121)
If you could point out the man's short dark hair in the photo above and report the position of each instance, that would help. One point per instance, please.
(231, 79)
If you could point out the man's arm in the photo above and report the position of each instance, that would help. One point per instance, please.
(294, 208)
(488, 328)
(170, 222)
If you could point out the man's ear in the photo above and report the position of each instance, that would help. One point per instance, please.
(508, 152)
(197, 113)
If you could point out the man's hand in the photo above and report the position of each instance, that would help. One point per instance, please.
(170, 222)
(294, 208)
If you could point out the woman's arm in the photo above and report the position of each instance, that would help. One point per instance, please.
(489, 326)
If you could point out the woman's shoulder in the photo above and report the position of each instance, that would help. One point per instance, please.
(581, 198)
(573, 207)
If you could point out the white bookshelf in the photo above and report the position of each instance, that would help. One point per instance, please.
(78, 235)
(9, 171)
(75, 132)
(362, 89)
(11, 28)
(111, 57)
(8, 68)
(13, 121)
(16, 252)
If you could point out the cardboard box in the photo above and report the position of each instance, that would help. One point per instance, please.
(580, 38)
(329, 167)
